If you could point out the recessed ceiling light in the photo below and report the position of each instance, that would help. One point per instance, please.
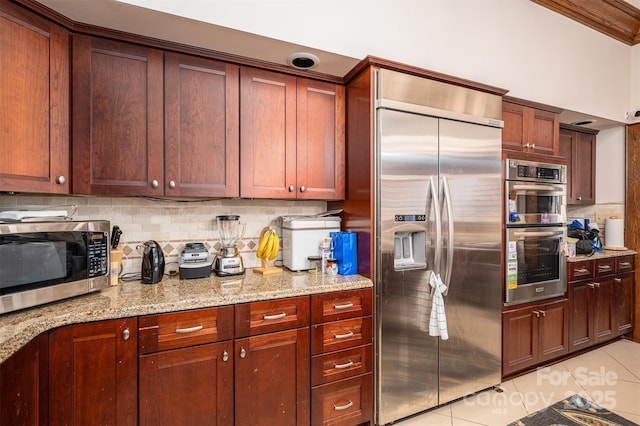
(583, 122)
(303, 60)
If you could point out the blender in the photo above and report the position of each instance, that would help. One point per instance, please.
(228, 261)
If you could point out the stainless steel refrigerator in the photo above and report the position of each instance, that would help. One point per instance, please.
(438, 211)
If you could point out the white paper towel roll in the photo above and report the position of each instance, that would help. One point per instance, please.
(614, 232)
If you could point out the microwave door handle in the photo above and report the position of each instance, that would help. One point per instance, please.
(537, 233)
(449, 205)
(536, 187)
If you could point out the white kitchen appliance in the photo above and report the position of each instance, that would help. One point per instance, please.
(302, 237)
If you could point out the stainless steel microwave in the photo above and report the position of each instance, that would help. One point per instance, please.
(41, 262)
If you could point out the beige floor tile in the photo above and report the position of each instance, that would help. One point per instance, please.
(632, 364)
(460, 422)
(596, 364)
(491, 407)
(431, 419)
(623, 348)
(629, 416)
(616, 395)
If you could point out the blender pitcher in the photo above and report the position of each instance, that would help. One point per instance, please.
(229, 261)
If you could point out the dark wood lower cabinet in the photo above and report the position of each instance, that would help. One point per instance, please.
(24, 385)
(623, 288)
(272, 379)
(189, 386)
(534, 334)
(94, 373)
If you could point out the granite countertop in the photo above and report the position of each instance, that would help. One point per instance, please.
(130, 299)
(601, 255)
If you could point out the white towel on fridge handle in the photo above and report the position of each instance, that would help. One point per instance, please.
(438, 319)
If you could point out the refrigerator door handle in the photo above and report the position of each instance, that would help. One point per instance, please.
(436, 207)
(448, 203)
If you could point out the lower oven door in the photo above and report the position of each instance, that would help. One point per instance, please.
(535, 266)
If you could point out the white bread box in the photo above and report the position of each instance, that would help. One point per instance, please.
(302, 237)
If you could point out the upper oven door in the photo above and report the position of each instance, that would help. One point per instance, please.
(532, 203)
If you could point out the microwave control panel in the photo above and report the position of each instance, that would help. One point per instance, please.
(97, 254)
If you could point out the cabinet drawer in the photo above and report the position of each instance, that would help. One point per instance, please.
(341, 364)
(347, 402)
(624, 264)
(341, 305)
(605, 266)
(272, 315)
(333, 336)
(187, 328)
(580, 270)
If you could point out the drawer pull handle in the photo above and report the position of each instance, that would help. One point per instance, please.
(618, 280)
(582, 271)
(189, 330)
(343, 336)
(604, 267)
(343, 407)
(343, 366)
(591, 285)
(341, 307)
(274, 317)
(625, 264)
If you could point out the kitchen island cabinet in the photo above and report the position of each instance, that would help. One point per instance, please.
(292, 137)
(534, 334)
(530, 127)
(153, 123)
(93, 373)
(578, 147)
(34, 113)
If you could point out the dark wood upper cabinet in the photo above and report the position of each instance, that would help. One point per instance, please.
(93, 373)
(530, 127)
(34, 112)
(201, 122)
(292, 137)
(117, 127)
(578, 147)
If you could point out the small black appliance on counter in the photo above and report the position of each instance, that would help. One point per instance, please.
(194, 261)
(152, 263)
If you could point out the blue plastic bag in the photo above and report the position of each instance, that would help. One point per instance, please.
(345, 251)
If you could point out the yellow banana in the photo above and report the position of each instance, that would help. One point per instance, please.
(269, 246)
(275, 248)
(262, 243)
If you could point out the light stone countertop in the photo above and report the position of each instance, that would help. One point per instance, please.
(130, 299)
(601, 255)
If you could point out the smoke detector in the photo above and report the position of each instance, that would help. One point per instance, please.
(303, 60)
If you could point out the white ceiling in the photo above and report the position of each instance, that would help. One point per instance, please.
(128, 17)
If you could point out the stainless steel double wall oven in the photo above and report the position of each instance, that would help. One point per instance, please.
(535, 218)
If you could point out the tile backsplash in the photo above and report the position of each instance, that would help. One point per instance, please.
(173, 223)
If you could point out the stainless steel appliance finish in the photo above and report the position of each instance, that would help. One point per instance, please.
(438, 211)
(229, 261)
(535, 268)
(41, 262)
(535, 193)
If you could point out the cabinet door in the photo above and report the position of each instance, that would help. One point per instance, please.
(513, 132)
(581, 315)
(93, 373)
(117, 110)
(201, 119)
(189, 386)
(519, 339)
(24, 385)
(268, 134)
(34, 112)
(602, 309)
(553, 329)
(623, 303)
(320, 140)
(543, 132)
(584, 175)
(272, 379)
(567, 143)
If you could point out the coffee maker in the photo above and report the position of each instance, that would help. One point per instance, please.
(228, 261)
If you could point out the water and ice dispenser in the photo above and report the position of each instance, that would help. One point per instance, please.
(409, 250)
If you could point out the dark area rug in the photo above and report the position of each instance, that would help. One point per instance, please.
(573, 411)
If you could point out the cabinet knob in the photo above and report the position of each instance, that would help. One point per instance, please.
(172, 184)
(533, 146)
(225, 356)
(292, 188)
(154, 183)
(302, 188)
(579, 198)
(126, 334)
(61, 180)
(618, 280)
(591, 285)
(243, 353)
(543, 313)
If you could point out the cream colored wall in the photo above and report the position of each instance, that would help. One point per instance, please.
(514, 44)
(174, 223)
